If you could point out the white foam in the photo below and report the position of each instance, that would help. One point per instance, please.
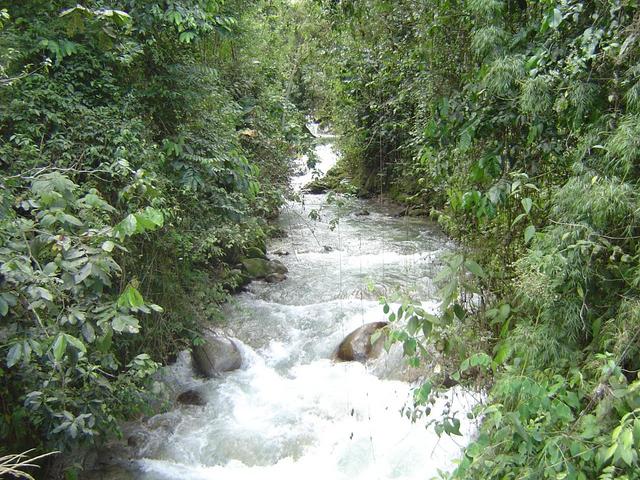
(291, 412)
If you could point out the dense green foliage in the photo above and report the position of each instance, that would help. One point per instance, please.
(142, 145)
(517, 123)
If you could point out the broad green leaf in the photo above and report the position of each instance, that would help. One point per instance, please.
(453, 428)
(88, 332)
(502, 352)
(459, 311)
(40, 292)
(10, 298)
(504, 311)
(50, 268)
(126, 227)
(130, 298)
(455, 262)
(108, 246)
(14, 355)
(72, 220)
(4, 307)
(529, 232)
(555, 19)
(427, 327)
(527, 203)
(474, 268)
(443, 274)
(636, 432)
(125, 323)
(59, 347)
(421, 395)
(156, 308)
(480, 359)
(75, 343)
(135, 298)
(83, 274)
(413, 325)
(149, 219)
(625, 447)
(186, 37)
(409, 346)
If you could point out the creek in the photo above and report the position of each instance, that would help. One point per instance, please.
(292, 411)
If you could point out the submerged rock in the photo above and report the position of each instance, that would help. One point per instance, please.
(317, 186)
(362, 213)
(448, 382)
(111, 472)
(357, 345)
(418, 212)
(275, 277)
(218, 354)
(137, 439)
(191, 397)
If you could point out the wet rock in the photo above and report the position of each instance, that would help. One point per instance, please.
(261, 268)
(275, 277)
(137, 439)
(281, 253)
(448, 382)
(278, 232)
(328, 248)
(255, 252)
(362, 213)
(316, 187)
(218, 354)
(191, 397)
(256, 267)
(236, 279)
(111, 472)
(276, 266)
(357, 345)
(418, 212)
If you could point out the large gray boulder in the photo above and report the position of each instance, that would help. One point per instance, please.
(357, 345)
(218, 354)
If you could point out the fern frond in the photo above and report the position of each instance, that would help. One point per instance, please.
(623, 147)
(539, 344)
(503, 74)
(536, 97)
(605, 205)
(488, 40)
(632, 97)
(619, 334)
(582, 97)
(486, 9)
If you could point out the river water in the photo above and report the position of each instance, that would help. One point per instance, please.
(292, 412)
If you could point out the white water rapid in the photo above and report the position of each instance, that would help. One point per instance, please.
(292, 412)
